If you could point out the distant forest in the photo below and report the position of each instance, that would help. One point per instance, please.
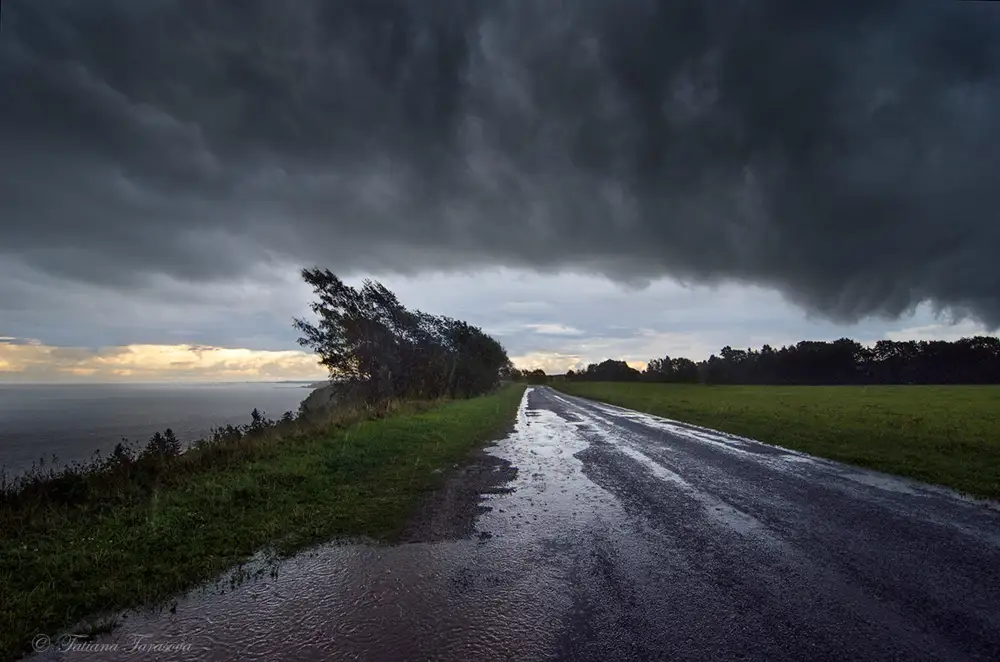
(967, 361)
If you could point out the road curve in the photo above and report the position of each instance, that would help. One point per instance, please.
(727, 548)
(623, 536)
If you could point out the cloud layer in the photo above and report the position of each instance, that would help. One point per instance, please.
(843, 153)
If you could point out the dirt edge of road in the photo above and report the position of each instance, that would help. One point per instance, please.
(450, 512)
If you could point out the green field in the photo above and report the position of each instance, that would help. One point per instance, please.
(949, 435)
(361, 480)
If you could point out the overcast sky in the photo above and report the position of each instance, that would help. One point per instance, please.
(583, 180)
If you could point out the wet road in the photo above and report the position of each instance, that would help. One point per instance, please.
(626, 536)
(735, 549)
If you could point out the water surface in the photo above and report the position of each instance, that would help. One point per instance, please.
(72, 421)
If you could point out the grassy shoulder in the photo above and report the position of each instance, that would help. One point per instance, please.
(362, 479)
(948, 435)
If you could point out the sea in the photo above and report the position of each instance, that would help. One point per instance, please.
(72, 421)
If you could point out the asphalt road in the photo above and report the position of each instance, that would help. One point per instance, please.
(719, 547)
(605, 534)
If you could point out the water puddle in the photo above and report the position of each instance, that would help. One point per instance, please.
(504, 593)
(889, 483)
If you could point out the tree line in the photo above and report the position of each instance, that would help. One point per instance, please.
(369, 340)
(973, 360)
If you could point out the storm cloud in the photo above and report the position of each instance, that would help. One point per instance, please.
(843, 153)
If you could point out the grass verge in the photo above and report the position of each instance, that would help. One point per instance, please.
(948, 435)
(68, 563)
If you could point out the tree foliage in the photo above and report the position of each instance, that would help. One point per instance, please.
(609, 371)
(365, 336)
(536, 376)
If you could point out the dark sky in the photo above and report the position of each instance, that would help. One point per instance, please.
(845, 155)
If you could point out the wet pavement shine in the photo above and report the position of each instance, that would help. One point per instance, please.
(627, 537)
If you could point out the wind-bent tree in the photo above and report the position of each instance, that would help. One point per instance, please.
(367, 337)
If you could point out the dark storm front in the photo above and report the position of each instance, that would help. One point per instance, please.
(73, 421)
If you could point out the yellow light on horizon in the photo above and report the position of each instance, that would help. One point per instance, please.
(156, 362)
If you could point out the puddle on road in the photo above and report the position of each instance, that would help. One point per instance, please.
(502, 594)
(889, 483)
